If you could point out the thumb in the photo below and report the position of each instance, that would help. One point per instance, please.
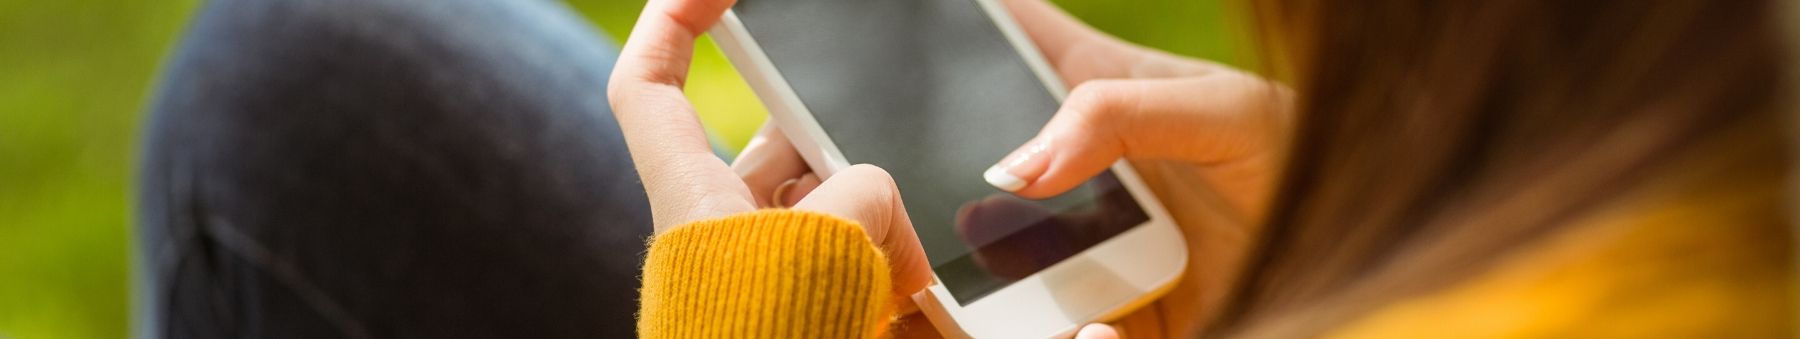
(1205, 120)
(867, 194)
(1097, 331)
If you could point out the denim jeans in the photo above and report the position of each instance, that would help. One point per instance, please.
(386, 169)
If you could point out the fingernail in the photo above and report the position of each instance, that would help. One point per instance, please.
(778, 198)
(1020, 168)
(802, 186)
(998, 177)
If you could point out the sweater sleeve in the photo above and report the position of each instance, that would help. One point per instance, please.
(765, 274)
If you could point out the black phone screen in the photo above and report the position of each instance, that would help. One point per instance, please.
(933, 92)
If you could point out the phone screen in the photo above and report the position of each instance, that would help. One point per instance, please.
(933, 92)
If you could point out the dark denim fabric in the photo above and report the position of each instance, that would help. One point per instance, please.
(386, 169)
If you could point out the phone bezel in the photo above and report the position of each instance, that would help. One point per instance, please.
(1144, 262)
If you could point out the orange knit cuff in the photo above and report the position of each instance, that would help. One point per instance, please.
(765, 274)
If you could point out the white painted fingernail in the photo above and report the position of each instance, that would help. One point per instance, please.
(998, 177)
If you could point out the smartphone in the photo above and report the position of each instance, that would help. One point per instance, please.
(934, 92)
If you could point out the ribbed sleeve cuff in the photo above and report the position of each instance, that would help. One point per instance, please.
(765, 274)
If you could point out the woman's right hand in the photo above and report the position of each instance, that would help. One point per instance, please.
(1226, 130)
(1141, 104)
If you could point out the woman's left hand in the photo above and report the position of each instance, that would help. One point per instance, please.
(686, 182)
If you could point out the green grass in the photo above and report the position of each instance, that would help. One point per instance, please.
(75, 74)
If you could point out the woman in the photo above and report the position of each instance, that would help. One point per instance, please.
(1503, 168)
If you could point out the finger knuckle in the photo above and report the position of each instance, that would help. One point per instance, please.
(1096, 98)
(631, 97)
(872, 173)
(886, 189)
(615, 95)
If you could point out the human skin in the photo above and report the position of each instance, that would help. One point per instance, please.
(1191, 121)
(686, 183)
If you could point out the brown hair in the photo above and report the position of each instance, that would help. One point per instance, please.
(1435, 137)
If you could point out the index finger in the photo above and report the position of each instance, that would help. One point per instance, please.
(645, 89)
(665, 138)
(662, 44)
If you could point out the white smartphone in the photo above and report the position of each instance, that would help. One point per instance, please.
(935, 91)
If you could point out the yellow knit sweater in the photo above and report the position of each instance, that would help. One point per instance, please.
(765, 274)
(1664, 271)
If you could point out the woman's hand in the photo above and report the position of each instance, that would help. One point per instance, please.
(687, 183)
(1223, 130)
(1142, 104)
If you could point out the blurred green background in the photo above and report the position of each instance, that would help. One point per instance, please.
(75, 75)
